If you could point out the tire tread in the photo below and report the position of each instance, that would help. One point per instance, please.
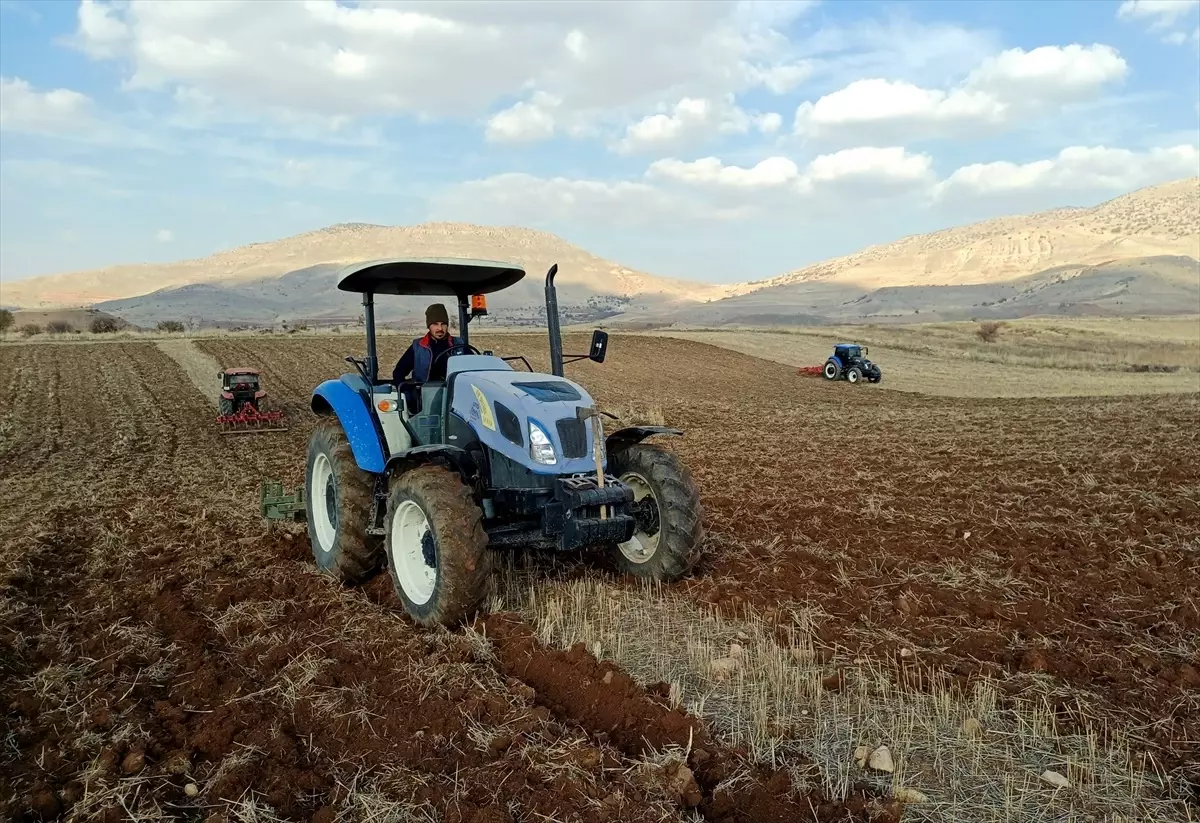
(681, 521)
(357, 556)
(462, 545)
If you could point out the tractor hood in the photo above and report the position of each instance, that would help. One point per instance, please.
(500, 406)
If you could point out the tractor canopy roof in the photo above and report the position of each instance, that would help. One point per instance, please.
(432, 275)
(846, 345)
(239, 370)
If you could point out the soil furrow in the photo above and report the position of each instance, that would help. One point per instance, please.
(612, 708)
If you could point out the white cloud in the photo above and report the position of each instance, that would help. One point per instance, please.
(101, 31)
(164, 235)
(1164, 17)
(690, 120)
(599, 61)
(780, 79)
(886, 168)
(524, 199)
(896, 47)
(769, 123)
(1074, 169)
(1160, 13)
(525, 121)
(675, 192)
(890, 165)
(1049, 73)
(59, 111)
(885, 107)
(1004, 89)
(772, 172)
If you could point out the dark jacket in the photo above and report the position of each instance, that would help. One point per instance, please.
(419, 357)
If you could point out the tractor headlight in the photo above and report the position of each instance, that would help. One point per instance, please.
(540, 447)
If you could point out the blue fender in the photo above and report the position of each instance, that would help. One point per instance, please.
(835, 359)
(354, 413)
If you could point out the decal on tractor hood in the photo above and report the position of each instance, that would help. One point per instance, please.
(483, 409)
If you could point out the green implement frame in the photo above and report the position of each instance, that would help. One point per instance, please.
(275, 505)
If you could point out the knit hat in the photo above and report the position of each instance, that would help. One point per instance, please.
(436, 314)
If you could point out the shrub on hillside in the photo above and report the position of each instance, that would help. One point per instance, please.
(30, 329)
(170, 326)
(59, 327)
(103, 325)
(989, 331)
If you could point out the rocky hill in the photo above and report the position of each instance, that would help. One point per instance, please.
(1134, 254)
(345, 243)
(1157, 221)
(1160, 285)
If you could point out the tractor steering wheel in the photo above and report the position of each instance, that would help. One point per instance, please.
(450, 351)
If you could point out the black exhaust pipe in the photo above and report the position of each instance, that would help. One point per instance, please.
(369, 322)
(556, 355)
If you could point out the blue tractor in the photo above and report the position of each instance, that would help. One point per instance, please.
(849, 361)
(429, 480)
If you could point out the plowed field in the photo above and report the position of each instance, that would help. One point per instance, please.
(165, 654)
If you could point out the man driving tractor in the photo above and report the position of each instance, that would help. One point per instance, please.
(422, 356)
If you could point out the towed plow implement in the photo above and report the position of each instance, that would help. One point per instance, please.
(249, 420)
(243, 404)
(275, 504)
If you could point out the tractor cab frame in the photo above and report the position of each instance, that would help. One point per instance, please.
(424, 405)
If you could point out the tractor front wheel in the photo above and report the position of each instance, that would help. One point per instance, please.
(853, 374)
(436, 546)
(666, 543)
(340, 499)
(832, 370)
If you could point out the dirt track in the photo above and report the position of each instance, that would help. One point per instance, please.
(155, 634)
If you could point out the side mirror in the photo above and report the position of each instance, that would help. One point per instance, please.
(866, 351)
(599, 346)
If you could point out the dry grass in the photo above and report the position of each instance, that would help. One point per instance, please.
(777, 699)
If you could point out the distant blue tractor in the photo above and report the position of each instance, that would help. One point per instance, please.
(849, 361)
(429, 479)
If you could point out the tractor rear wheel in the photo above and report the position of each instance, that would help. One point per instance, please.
(832, 370)
(226, 406)
(340, 499)
(666, 543)
(437, 549)
(853, 374)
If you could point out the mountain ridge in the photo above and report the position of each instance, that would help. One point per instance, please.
(292, 277)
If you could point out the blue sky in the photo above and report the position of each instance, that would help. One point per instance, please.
(719, 141)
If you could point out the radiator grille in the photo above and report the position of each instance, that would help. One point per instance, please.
(573, 434)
